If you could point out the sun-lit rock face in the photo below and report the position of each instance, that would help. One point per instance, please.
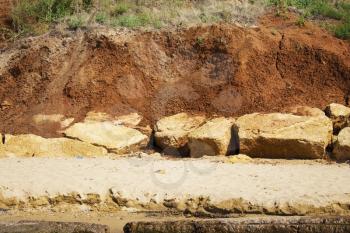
(279, 135)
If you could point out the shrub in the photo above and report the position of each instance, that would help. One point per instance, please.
(342, 31)
(301, 21)
(101, 17)
(75, 22)
(325, 9)
(87, 5)
(120, 9)
(137, 20)
(27, 13)
(199, 41)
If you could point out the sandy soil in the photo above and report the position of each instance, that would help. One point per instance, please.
(152, 183)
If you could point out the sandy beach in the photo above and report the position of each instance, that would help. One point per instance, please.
(154, 183)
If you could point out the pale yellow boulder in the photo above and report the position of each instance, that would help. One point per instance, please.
(301, 110)
(97, 117)
(129, 120)
(29, 145)
(215, 137)
(116, 138)
(171, 132)
(340, 116)
(342, 145)
(278, 135)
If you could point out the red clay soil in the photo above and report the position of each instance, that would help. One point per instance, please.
(217, 70)
(5, 9)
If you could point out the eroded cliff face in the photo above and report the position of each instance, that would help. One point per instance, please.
(216, 70)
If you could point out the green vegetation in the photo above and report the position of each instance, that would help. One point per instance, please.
(343, 30)
(320, 9)
(38, 16)
(301, 21)
(74, 22)
(121, 8)
(200, 41)
(29, 15)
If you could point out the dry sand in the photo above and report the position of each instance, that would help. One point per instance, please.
(302, 187)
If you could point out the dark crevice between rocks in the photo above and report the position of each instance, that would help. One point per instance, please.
(182, 152)
(109, 150)
(233, 147)
(329, 151)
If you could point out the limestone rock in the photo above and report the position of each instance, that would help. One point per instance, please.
(116, 138)
(171, 132)
(129, 120)
(301, 110)
(278, 135)
(340, 116)
(342, 145)
(215, 137)
(97, 117)
(29, 145)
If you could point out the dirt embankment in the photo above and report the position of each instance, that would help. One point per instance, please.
(5, 9)
(219, 69)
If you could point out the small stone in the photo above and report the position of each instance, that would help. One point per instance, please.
(5, 104)
(160, 172)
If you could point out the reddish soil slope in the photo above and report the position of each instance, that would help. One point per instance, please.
(220, 69)
(5, 8)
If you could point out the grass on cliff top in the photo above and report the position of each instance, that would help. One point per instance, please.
(37, 16)
(321, 9)
(34, 17)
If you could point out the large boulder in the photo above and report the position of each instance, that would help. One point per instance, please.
(278, 135)
(29, 145)
(215, 137)
(171, 132)
(340, 116)
(342, 145)
(116, 138)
